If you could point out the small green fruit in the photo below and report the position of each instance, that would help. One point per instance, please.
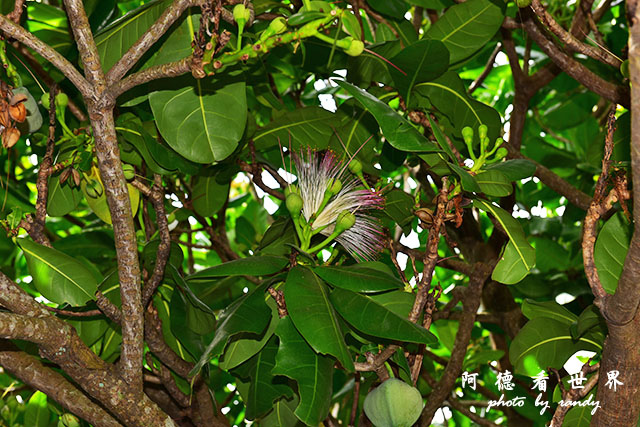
(394, 403)
(62, 100)
(523, 3)
(129, 172)
(501, 153)
(482, 131)
(355, 166)
(355, 48)
(93, 189)
(45, 100)
(467, 134)
(345, 221)
(294, 204)
(336, 186)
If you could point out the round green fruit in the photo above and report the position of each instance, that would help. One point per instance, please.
(345, 221)
(355, 166)
(129, 172)
(355, 48)
(393, 403)
(294, 204)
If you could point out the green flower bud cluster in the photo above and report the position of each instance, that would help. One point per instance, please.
(241, 15)
(487, 155)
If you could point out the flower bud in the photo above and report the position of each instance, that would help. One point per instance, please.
(355, 48)
(501, 153)
(129, 172)
(278, 25)
(241, 13)
(45, 100)
(467, 135)
(62, 100)
(294, 204)
(355, 166)
(336, 186)
(345, 221)
(482, 131)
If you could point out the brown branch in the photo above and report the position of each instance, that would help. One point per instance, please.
(487, 69)
(31, 371)
(16, 13)
(612, 92)
(164, 248)
(147, 39)
(10, 29)
(69, 313)
(168, 382)
(171, 69)
(38, 330)
(42, 183)
(454, 367)
(575, 394)
(572, 42)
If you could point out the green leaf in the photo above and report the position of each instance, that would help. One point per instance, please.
(422, 61)
(544, 342)
(49, 24)
(252, 266)
(358, 278)
(398, 302)
(57, 276)
(201, 120)
(248, 314)
(551, 309)
(442, 141)
(312, 372)
(310, 126)
(396, 129)
(313, 315)
(519, 256)
(366, 315)
(367, 67)
(62, 198)
(611, 251)
(578, 416)
(514, 169)
(467, 180)
(89, 330)
(448, 95)
(466, 28)
(399, 207)
(209, 195)
(265, 387)
(589, 319)
(242, 348)
(37, 413)
(494, 183)
(282, 414)
(117, 38)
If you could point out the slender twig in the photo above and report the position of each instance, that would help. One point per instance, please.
(487, 69)
(575, 394)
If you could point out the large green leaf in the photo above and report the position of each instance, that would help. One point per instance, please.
(49, 24)
(399, 207)
(514, 169)
(313, 315)
(420, 62)
(611, 250)
(494, 183)
(544, 342)
(282, 414)
(203, 121)
(312, 372)
(57, 276)
(242, 348)
(117, 38)
(99, 204)
(551, 309)
(209, 195)
(519, 256)
(62, 198)
(367, 67)
(366, 315)
(37, 412)
(396, 129)
(252, 266)
(448, 95)
(310, 126)
(358, 278)
(466, 28)
(248, 314)
(265, 387)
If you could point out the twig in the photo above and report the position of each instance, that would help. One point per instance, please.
(575, 393)
(16, 13)
(487, 69)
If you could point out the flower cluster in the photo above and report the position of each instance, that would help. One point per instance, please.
(322, 203)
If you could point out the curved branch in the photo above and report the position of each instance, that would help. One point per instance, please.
(172, 69)
(10, 29)
(147, 39)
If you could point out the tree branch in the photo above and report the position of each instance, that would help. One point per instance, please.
(147, 39)
(10, 29)
(172, 69)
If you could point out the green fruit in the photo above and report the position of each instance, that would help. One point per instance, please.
(356, 47)
(45, 100)
(482, 131)
(523, 3)
(467, 135)
(501, 153)
(294, 204)
(355, 166)
(624, 68)
(345, 221)
(336, 186)
(129, 172)
(93, 189)
(394, 403)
